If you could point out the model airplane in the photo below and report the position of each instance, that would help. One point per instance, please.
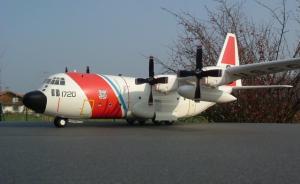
(162, 98)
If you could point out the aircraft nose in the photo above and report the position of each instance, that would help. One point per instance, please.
(36, 101)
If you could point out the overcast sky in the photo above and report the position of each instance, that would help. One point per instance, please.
(39, 37)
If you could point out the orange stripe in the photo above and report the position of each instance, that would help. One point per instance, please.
(58, 104)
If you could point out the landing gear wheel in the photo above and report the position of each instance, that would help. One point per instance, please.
(156, 122)
(169, 122)
(130, 121)
(60, 122)
(142, 122)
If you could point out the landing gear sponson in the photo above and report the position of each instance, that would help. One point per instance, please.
(142, 122)
(60, 122)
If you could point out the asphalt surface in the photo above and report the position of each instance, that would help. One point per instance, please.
(117, 153)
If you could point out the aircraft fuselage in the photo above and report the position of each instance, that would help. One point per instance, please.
(93, 96)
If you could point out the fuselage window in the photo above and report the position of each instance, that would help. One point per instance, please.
(48, 81)
(57, 92)
(52, 92)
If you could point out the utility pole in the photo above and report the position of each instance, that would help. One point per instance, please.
(26, 114)
(0, 78)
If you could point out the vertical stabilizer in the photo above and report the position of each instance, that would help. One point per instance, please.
(229, 55)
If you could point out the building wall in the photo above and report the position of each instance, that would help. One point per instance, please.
(12, 109)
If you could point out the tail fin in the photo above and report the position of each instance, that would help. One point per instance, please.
(230, 56)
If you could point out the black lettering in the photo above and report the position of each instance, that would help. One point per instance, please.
(69, 94)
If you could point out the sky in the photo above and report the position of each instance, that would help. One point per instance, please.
(41, 37)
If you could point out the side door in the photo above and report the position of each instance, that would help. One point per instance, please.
(87, 107)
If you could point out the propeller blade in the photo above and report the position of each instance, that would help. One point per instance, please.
(87, 69)
(66, 70)
(162, 80)
(185, 73)
(197, 91)
(199, 64)
(140, 81)
(151, 67)
(150, 100)
(212, 73)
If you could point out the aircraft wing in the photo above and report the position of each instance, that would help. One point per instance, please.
(261, 87)
(256, 69)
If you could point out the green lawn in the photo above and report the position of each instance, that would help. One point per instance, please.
(22, 117)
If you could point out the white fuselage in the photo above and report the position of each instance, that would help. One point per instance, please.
(80, 95)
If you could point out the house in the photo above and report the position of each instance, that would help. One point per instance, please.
(11, 102)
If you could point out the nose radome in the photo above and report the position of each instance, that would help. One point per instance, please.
(35, 100)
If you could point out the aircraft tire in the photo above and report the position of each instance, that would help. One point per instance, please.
(60, 122)
(156, 122)
(169, 122)
(142, 122)
(130, 121)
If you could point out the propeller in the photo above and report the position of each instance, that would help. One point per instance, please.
(151, 80)
(87, 69)
(199, 73)
(66, 70)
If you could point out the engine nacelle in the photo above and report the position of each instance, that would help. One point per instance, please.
(211, 81)
(207, 94)
(172, 84)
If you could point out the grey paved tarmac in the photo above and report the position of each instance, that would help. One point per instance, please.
(117, 153)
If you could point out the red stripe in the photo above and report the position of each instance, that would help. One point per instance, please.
(91, 84)
(232, 84)
(229, 53)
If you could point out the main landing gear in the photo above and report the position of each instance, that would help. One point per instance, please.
(60, 122)
(143, 122)
(163, 122)
(133, 121)
(155, 122)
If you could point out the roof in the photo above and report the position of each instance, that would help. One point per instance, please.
(11, 93)
(6, 98)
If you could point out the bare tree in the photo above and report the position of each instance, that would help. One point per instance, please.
(257, 43)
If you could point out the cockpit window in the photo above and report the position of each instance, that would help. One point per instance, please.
(56, 81)
(52, 92)
(57, 92)
(53, 81)
(62, 81)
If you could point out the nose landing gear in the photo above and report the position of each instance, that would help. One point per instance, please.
(60, 122)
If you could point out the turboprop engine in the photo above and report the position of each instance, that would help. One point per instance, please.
(208, 94)
(172, 84)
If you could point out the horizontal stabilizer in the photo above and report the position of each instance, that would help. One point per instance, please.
(261, 87)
